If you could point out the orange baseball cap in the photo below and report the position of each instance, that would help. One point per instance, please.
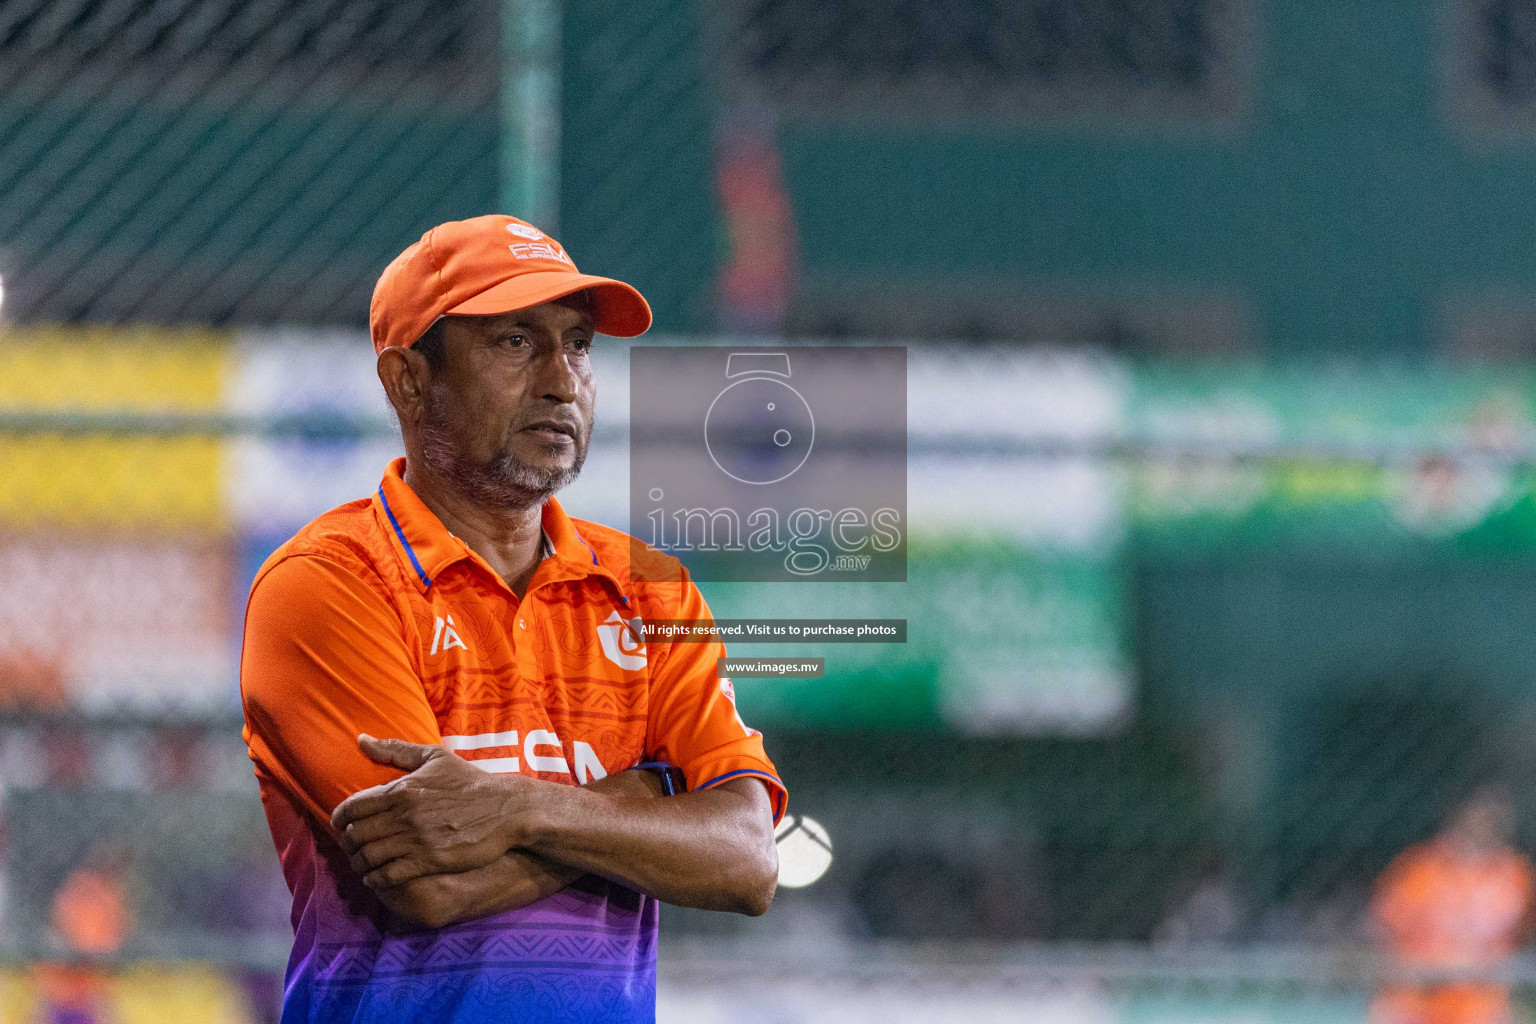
(484, 265)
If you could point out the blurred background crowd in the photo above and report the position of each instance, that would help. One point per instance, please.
(1221, 327)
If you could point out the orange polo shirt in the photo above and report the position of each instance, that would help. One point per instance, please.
(375, 619)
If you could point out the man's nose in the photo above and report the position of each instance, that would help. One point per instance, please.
(557, 380)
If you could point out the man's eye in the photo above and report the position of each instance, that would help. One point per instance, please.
(583, 344)
(515, 340)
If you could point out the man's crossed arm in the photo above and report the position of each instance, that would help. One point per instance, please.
(449, 842)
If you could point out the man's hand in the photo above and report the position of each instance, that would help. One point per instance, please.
(515, 879)
(446, 816)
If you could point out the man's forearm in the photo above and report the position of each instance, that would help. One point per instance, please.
(712, 850)
(517, 879)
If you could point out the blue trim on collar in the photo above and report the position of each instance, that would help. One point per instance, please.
(622, 596)
(410, 551)
(585, 545)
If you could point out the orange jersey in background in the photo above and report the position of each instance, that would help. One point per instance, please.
(1443, 909)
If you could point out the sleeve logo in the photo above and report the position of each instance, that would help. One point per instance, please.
(728, 690)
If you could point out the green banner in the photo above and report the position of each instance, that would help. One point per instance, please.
(1356, 454)
(1000, 640)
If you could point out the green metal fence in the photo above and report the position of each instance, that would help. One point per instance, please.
(234, 162)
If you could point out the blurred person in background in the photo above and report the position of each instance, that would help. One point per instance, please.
(1208, 909)
(757, 276)
(92, 919)
(1460, 903)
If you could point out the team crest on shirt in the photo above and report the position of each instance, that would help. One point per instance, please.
(621, 642)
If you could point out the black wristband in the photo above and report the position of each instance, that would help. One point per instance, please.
(673, 781)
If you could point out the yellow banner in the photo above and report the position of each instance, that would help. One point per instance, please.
(142, 482)
(145, 994)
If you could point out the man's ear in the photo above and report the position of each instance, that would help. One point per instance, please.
(405, 375)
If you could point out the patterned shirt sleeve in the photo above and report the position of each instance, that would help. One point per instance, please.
(325, 659)
(693, 722)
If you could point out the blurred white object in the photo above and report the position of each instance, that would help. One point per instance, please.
(805, 851)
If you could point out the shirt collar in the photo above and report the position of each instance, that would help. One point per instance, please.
(426, 547)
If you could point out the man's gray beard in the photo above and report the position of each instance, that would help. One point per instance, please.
(505, 482)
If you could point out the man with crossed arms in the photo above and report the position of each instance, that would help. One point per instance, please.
(479, 780)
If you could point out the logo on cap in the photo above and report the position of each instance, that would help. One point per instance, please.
(525, 231)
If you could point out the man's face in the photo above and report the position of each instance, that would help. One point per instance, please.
(508, 412)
